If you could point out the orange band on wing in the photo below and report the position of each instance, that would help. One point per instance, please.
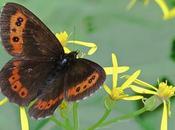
(44, 105)
(83, 86)
(15, 83)
(17, 26)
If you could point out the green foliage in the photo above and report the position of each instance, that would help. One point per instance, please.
(140, 38)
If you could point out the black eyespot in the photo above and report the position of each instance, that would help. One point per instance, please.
(41, 106)
(93, 77)
(78, 89)
(15, 39)
(13, 29)
(84, 86)
(18, 23)
(20, 19)
(15, 87)
(90, 81)
(22, 93)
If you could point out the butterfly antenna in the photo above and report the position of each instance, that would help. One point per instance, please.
(80, 54)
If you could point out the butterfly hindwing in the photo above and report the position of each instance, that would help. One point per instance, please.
(22, 81)
(82, 78)
(24, 35)
(50, 98)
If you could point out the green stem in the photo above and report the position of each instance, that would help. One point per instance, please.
(68, 124)
(130, 115)
(65, 115)
(75, 115)
(102, 119)
(42, 124)
(57, 122)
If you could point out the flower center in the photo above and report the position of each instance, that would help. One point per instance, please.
(117, 93)
(62, 37)
(63, 105)
(165, 91)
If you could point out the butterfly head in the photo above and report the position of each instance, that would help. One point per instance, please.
(71, 55)
(67, 58)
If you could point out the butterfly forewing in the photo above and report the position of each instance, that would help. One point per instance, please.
(22, 81)
(24, 35)
(82, 78)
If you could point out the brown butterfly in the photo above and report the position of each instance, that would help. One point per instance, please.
(40, 69)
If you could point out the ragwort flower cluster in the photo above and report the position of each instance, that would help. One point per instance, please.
(159, 95)
(167, 12)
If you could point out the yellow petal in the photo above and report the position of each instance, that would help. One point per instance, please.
(131, 79)
(131, 4)
(88, 44)
(139, 82)
(93, 46)
(109, 70)
(115, 70)
(62, 37)
(164, 7)
(164, 121)
(24, 119)
(142, 90)
(133, 98)
(92, 50)
(3, 101)
(66, 50)
(107, 89)
(171, 13)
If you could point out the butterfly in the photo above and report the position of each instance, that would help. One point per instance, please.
(40, 71)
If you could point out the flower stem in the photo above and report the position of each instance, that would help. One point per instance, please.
(102, 119)
(58, 123)
(75, 115)
(64, 113)
(42, 124)
(127, 116)
(68, 124)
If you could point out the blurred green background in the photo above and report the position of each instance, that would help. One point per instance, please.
(140, 38)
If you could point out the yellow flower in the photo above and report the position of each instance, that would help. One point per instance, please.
(63, 105)
(63, 37)
(162, 94)
(167, 13)
(111, 70)
(23, 116)
(116, 92)
(133, 2)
